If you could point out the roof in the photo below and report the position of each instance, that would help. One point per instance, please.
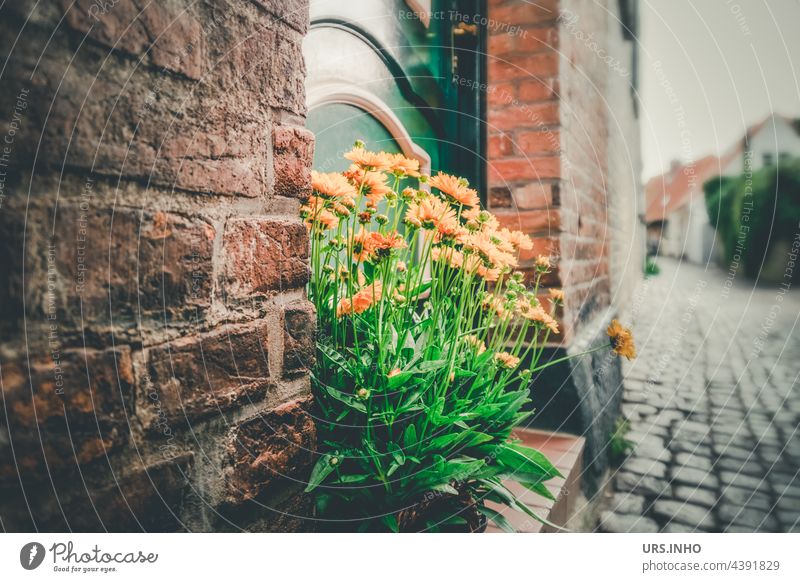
(682, 183)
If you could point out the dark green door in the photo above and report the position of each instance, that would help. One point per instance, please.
(380, 71)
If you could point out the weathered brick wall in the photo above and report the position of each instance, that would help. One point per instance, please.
(155, 335)
(564, 166)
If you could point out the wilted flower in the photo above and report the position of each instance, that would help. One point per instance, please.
(621, 340)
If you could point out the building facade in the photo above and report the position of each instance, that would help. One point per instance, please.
(156, 341)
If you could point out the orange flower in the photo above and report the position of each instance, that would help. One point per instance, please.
(393, 373)
(403, 166)
(621, 340)
(362, 300)
(455, 188)
(369, 245)
(506, 360)
(432, 213)
(373, 184)
(540, 316)
(367, 160)
(519, 239)
(334, 185)
(542, 263)
(557, 295)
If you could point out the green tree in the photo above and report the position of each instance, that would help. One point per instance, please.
(752, 212)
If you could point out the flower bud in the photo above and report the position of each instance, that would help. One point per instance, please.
(362, 394)
(381, 219)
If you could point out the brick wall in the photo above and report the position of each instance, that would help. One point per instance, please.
(155, 335)
(564, 166)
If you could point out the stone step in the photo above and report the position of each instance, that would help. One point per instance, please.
(565, 451)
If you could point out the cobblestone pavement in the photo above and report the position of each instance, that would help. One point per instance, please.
(714, 406)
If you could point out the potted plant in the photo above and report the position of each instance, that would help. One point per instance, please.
(428, 339)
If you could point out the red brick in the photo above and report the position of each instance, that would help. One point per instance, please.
(173, 40)
(536, 66)
(270, 451)
(534, 195)
(549, 246)
(516, 13)
(538, 142)
(533, 90)
(263, 256)
(500, 145)
(292, 156)
(205, 375)
(151, 264)
(521, 115)
(500, 94)
(65, 410)
(530, 221)
(503, 171)
(500, 44)
(537, 39)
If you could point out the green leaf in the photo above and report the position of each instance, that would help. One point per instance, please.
(390, 521)
(410, 436)
(541, 489)
(398, 380)
(345, 399)
(526, 460)
(498, 518)
(322, 469)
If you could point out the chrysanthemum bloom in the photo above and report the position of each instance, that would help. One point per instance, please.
(335, 186)
(431, 213)
(621, 340)
(557, 295)
(519, 239)
(475, 343)
(372, 184)
(382, 245)
(506, 360)
(367, 160)
(393, 373)
(362, 300)
(542, 263)
(455, 188)
(318, 217)
(538, 315)
(403, 166)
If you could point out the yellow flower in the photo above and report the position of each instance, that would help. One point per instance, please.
(506, 360)
(455, 188)
(621, 340)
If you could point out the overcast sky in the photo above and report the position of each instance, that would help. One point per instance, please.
(709, 69)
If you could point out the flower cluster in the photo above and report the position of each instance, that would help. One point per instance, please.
(431, 328)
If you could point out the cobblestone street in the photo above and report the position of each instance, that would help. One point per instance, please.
(714, 406)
